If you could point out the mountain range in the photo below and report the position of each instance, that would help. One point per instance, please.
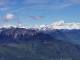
(39, 44)
(54, 25)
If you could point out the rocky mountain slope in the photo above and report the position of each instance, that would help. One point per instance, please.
(35, 44)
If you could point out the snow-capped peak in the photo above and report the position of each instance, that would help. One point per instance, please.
(15, 26)
(61, 25)
(55, 25)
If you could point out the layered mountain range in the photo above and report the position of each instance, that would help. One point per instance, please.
(15, 34)
(18, 43)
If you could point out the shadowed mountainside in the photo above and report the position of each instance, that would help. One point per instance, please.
(31, 44)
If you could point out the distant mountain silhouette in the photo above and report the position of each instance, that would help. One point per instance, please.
(34, 44)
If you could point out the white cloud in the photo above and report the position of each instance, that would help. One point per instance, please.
(9, 16)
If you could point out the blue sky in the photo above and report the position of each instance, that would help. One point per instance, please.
(36, 12)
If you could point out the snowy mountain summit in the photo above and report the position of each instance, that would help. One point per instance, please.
(61, 25)
(55, 25)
